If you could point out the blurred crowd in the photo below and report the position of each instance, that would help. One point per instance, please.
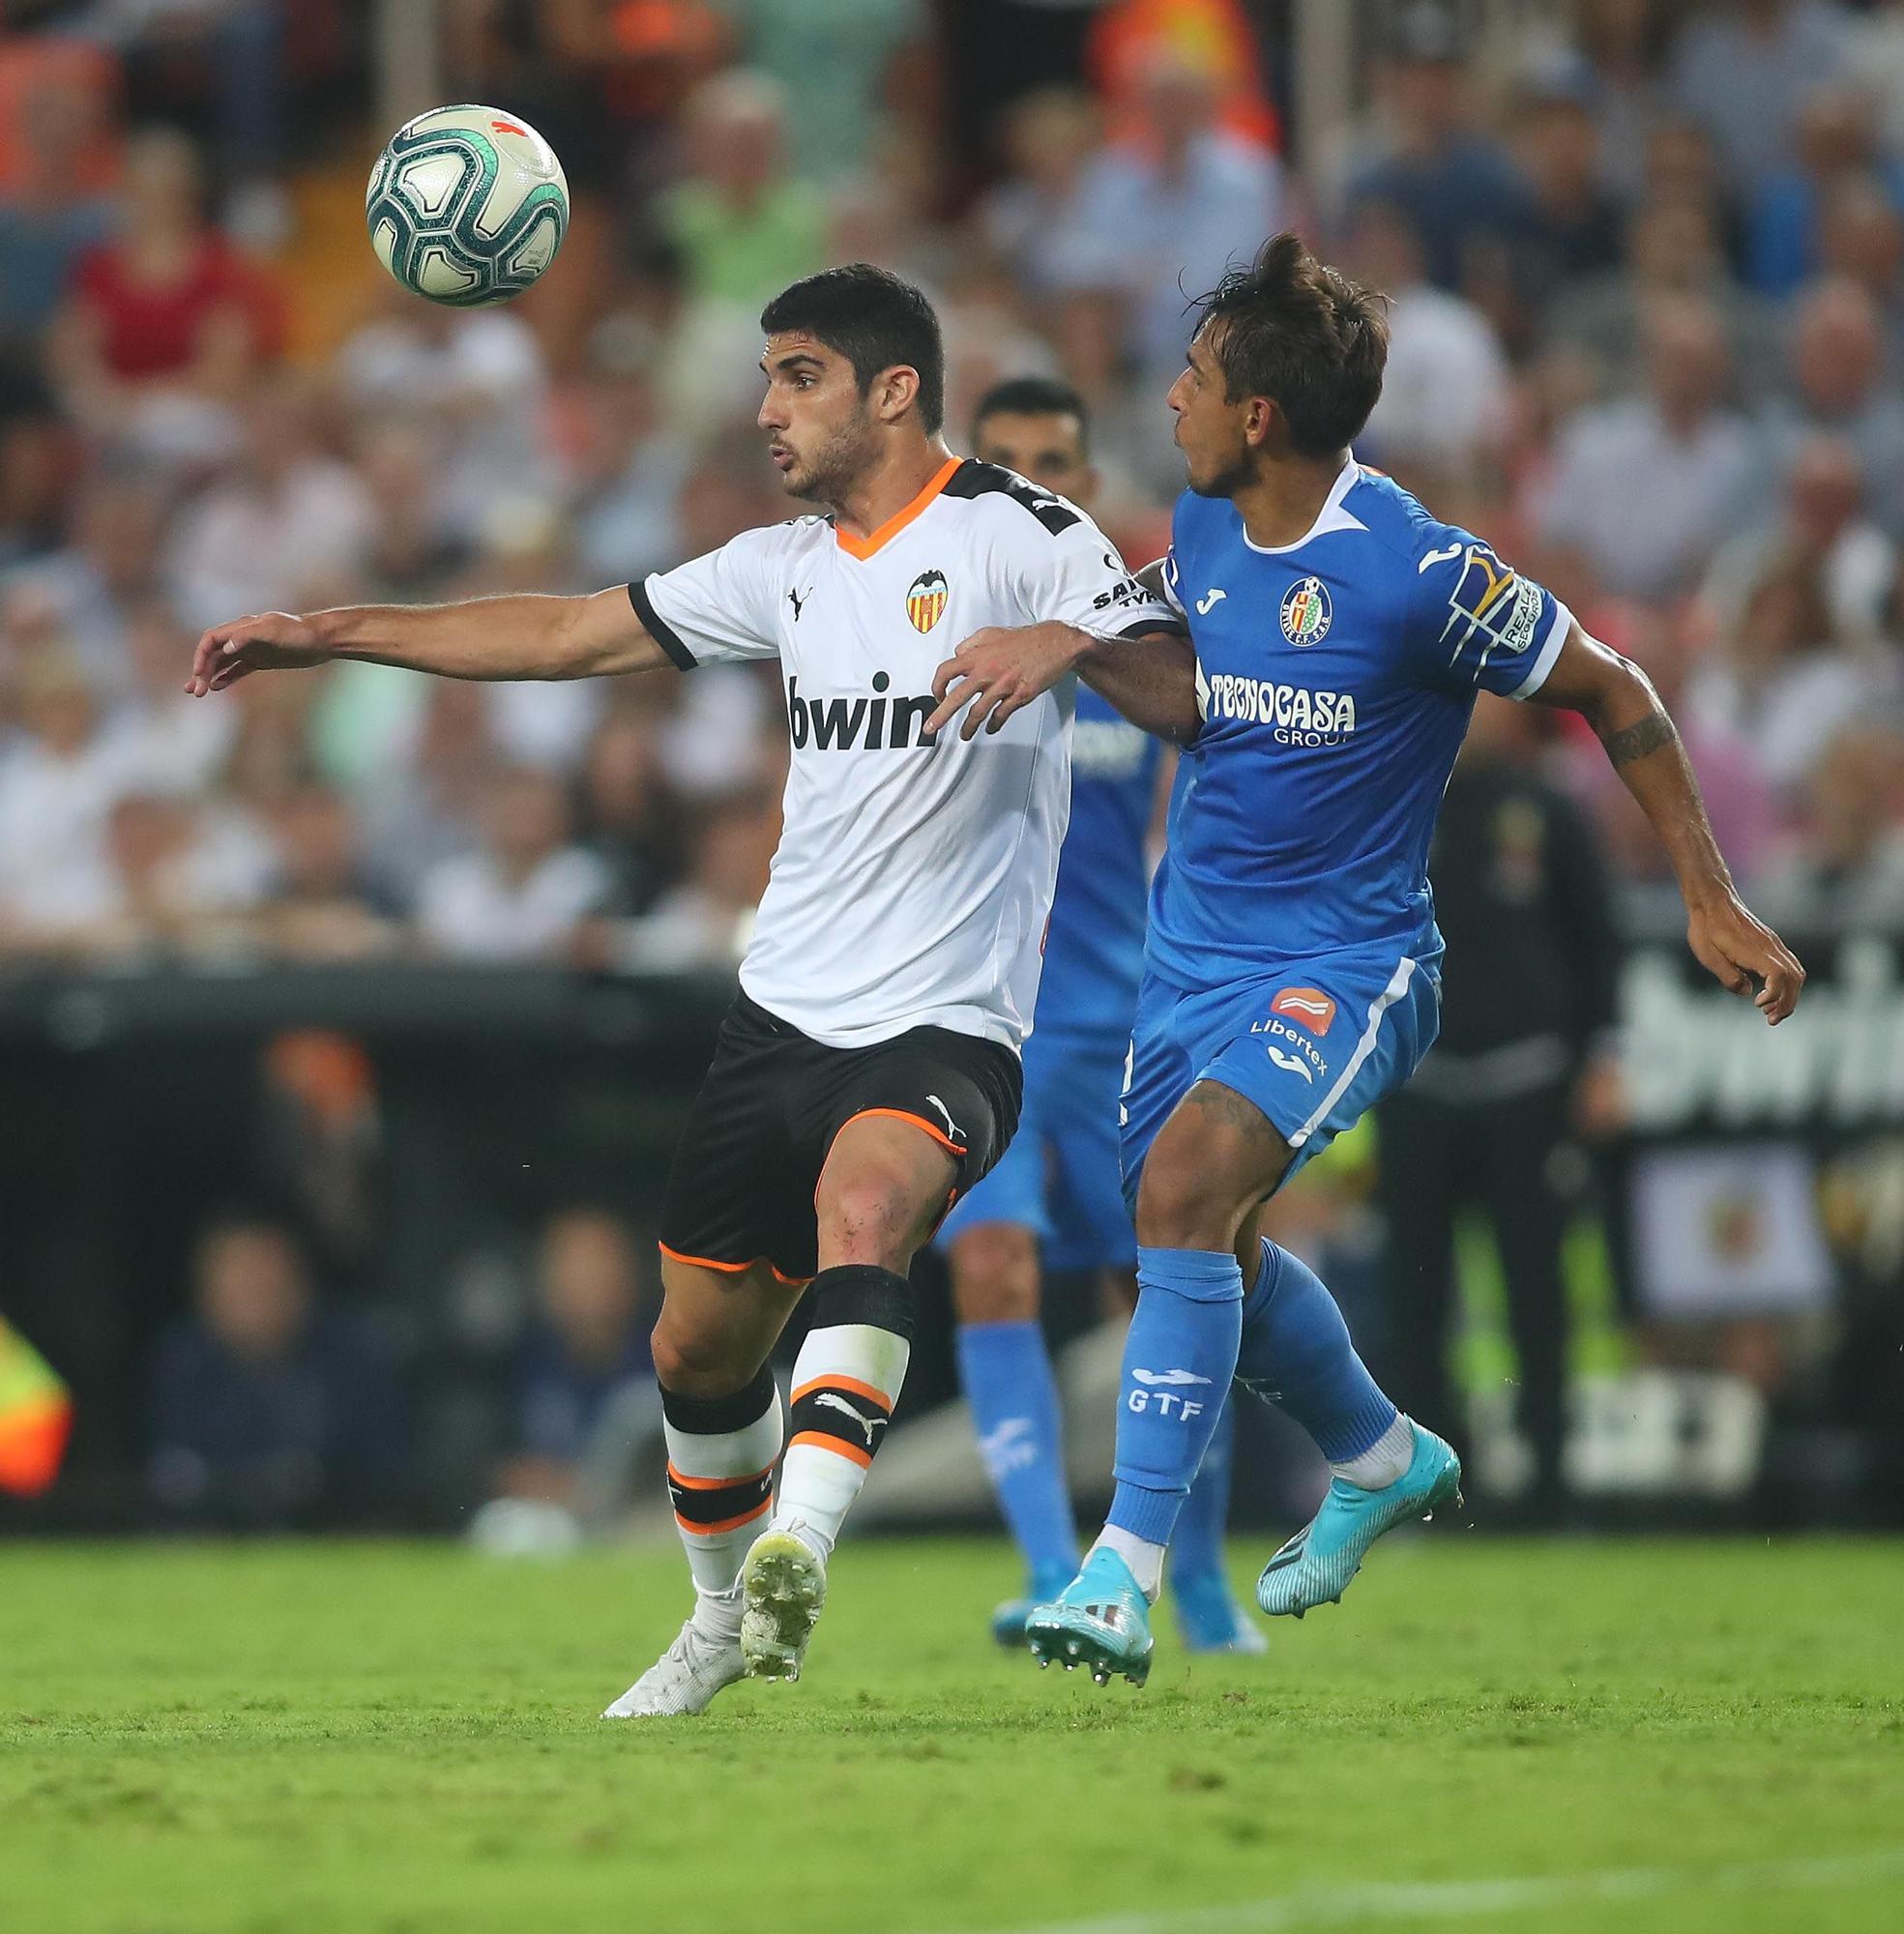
(1647, 266)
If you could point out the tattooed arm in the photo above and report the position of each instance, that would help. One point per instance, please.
(1617, 699)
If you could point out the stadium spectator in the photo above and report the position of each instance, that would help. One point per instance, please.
(1860, 237)
(1840, 386)
(1835, 140)
(1458, 185)
(523, 893)
(628, 818)
(1877, 59)
(167, 322)
(847, 62)
(1573, 225)
(1745, 68)
(422, 808)
(165, 743)
(744, 223)
(1847, 872)
(1624, 46)
(1446, 399)
(585, 1402)
(1672, 249)
(289, 523)
(1175, 216)
(270, 1411)
(1823, 515)
(1048, 140)
(1523, 1066)
(632, 472)
(59, 779)
(1647, 486)
(1784, 679)
(33, 462)
(318, 904)
(706, 921)
(51, 214)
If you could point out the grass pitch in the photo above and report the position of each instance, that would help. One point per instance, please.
(402, 1739)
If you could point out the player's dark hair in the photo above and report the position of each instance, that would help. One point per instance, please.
(873, 319)
(1302, 335)
(1033, 396)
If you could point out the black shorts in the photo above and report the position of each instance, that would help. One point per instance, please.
(741, 1186)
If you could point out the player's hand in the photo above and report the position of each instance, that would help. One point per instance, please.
(270, 641)
(1744, 956)
(999, 670)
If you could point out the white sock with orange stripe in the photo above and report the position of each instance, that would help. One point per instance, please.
(721, 1453)
(845, 1381)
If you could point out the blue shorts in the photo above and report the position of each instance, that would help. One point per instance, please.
(1315, 1046)
(1058, 1178)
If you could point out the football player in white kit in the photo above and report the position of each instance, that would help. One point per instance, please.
(868, 1072)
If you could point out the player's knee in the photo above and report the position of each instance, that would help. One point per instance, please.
(994, 1274)
(868, 1216)
(693, 1362)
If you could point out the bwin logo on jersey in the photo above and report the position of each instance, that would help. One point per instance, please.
(859, 723)
(1306, 612)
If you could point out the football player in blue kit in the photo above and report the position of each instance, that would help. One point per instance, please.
(1293, 966)
(1054, 1202)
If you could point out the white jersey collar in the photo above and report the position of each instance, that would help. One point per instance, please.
(1330, 517)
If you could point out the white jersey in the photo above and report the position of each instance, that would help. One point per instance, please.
(915, 873)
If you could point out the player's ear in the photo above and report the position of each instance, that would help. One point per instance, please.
(1258, 421)
(894, 392)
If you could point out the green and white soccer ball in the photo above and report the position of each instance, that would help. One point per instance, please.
(467, 206)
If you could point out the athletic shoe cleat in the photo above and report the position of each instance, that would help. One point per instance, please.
(783, 1590)
(1100, 1621)
(685, 1679)
(1009, 1619)
(1208, 1618)
(1315, 1566)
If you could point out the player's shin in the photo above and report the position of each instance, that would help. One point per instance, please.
(1196, 1551)
(1005, 1370)
(1297, 1352)
(721, 1453)
(845, 1381)
(1178, 1361)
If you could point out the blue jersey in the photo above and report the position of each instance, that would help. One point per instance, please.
(1335, 677)
(1094, 949)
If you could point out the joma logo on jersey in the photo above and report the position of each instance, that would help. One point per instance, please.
(860, 723)
(1306, 612)
(925, 600)
(1301, 717)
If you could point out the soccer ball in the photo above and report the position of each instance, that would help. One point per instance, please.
(466, 206)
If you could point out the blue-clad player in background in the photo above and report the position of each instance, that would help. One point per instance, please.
(1338, 634)
(1055, 1198)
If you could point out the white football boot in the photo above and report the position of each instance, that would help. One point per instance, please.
(783, 1590)
(701, 1662)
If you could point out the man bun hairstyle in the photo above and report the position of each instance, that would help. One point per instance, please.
(1302, 335)
(873, 319)
(1033, 396)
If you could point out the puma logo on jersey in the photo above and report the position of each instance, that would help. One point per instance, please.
(1289, 1064)
(867, 1423)
(798, 600)
(954, 1132)
(1447, 556)
(861, 723)
(1209, 602)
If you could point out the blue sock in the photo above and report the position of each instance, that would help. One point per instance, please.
(1296, 1352)
(1007, 1373)
(1197, 1549)
(1178, 1361)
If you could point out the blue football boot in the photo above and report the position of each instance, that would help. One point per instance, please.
(1100, 1621)
(1315, 1566)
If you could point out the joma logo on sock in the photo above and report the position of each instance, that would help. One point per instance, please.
(859, 723)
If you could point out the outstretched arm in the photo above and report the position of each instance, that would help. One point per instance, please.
(1150, 678)
(484, 638)
(1617, 699)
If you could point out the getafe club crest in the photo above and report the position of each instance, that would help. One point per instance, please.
(926, 601)
(1306, 612)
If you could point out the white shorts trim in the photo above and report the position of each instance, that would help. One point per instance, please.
(1397, 986)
